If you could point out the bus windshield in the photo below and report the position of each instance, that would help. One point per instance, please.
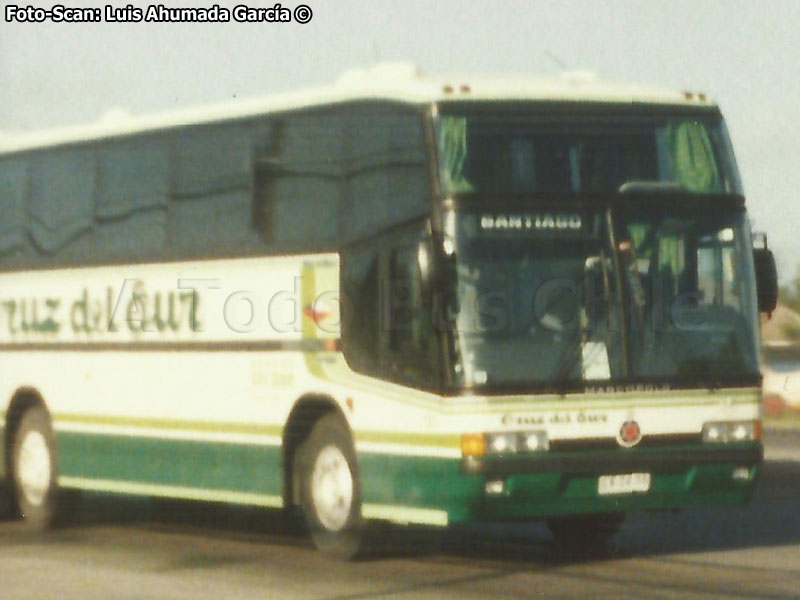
(530, 151)
(566, 299)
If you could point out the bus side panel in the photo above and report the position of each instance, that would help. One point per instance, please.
(169, 465)
(180, 423)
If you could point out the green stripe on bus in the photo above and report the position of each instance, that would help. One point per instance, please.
(216, 467)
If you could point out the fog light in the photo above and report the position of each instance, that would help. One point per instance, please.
(495, 487)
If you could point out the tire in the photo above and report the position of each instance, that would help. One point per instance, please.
(34, 469)
(329, 489)
(8, 510)
(585, 532)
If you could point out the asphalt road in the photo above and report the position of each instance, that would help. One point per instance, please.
(142, 549)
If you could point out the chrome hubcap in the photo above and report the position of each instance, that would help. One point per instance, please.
(332, 488)
(34, 467)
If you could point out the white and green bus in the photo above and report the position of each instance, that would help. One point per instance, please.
(396, 298)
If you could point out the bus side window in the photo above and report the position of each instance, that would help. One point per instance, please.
(61, 203)
(13, 191)
(211, 190)
(412, 348)
(360, 303)
(384, 170)
(298, 182)
(132, 198)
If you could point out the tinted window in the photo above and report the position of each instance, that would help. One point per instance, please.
(299, 182)
(286, 183)
(211, 159)
(132, 199)
(134, 176)
(385, 170)
(412, 340)
(13, 192)
(211, 204)
(387, 325)
(360, 316)
(61, 203)
(530, 150)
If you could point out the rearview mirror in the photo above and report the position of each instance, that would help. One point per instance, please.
(430, 260)
(766, 278)
(436, 263)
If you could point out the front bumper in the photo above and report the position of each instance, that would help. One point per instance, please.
(609, 462)
(567, 483)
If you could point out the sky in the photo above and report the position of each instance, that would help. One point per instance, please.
(745, 54)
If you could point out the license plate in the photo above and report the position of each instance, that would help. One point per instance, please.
(628, 483)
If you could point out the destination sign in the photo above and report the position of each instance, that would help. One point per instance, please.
(512, 222)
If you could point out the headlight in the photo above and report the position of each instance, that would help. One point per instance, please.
(501, 443)
(732, 431)
(536, 440)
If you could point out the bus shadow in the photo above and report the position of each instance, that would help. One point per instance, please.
(771, 519)
(84, 510)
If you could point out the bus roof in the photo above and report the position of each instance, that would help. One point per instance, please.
(398, 82)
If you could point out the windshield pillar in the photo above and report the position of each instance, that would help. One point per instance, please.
(618, 283)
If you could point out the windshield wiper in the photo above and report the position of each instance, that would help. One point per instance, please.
(651, 187)
(570, 357)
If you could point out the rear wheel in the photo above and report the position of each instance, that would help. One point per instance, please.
(330, 490)
(585, 532)
(7, 509)
(34, 470)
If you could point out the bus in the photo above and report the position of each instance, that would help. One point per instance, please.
(396, 298)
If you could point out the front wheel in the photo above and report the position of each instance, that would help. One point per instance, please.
(34, 468)
(330, 490)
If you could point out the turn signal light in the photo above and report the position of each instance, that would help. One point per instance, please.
(473, 444)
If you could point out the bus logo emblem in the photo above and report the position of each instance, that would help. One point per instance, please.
(630, 434)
